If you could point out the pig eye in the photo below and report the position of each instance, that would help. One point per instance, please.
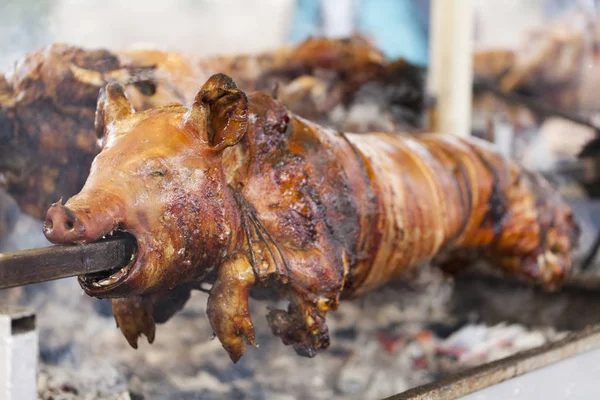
(153, 168)
(158, 172)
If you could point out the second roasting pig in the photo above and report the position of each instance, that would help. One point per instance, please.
(239, 190)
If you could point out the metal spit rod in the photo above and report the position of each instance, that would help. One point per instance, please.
(57, 262)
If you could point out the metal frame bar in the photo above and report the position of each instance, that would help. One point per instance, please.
(475, 379)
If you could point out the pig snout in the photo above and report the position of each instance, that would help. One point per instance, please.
(63, 226)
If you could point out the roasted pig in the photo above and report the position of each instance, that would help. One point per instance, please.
(47, 102)
(557, 63)
(240, 191)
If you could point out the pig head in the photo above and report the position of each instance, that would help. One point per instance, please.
(158, 178)
(165, 178)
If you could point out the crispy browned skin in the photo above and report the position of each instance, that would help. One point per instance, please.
(47, 103)
(246, 192)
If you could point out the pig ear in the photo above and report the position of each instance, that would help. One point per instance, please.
(223, 109)
(112, 106)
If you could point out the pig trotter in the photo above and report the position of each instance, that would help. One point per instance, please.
(228, 307)
(137, 315)
(134, 317)
(302, 327)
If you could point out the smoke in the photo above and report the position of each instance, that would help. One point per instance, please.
(196, 27)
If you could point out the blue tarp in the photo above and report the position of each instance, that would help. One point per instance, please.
(398, 27)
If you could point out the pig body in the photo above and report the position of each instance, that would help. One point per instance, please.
(241, 190)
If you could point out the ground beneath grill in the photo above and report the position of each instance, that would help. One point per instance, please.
(389, 342)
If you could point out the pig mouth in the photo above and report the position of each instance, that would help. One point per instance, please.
(101, 282)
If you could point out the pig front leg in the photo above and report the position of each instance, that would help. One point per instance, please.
(228, 306)
(312, 288)
(137, 315)
(134, 318)
(302, 325)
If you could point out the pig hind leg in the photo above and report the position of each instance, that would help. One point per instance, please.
(538, 235)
